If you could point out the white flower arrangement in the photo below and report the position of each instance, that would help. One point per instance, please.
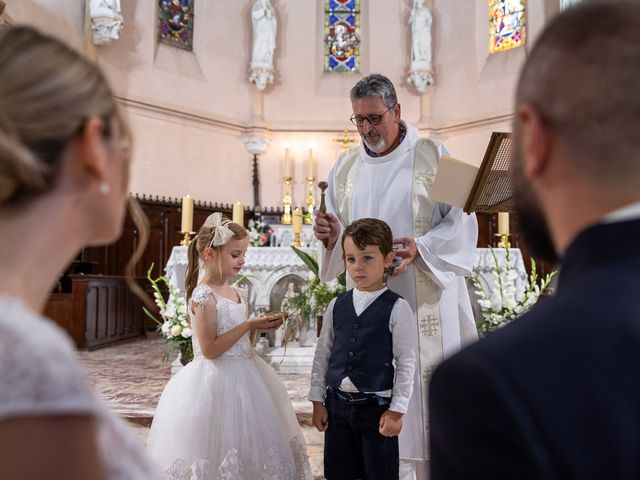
(175, 325)
(259, 233)
(504, 301)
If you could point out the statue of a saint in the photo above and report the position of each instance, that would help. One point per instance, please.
(106, 20)
(292, 329)
(420, 70)
(264, 22)
(263, 18)
(420, 21)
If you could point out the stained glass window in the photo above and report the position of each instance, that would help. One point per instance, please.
(507, 24)
(342, 36)
(175, 23)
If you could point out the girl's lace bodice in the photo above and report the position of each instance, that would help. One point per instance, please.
(40, 375)
(229, 315)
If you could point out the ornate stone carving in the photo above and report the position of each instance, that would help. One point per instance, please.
(255, 145)
(106, 21)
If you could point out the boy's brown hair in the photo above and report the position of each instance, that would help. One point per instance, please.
(370, 231)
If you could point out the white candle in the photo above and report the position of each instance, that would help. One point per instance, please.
(287, 163)
(310, 164)
(187, 214)
(503, 223)
(297, 221)
(238, 213)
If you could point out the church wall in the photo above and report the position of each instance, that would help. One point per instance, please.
(190, 110)
(61, 18)
(474, 91)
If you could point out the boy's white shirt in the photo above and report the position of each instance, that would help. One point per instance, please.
(405, 347)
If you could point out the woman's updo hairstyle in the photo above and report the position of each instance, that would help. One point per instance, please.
(47, 92)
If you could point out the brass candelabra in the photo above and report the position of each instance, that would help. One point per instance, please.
(186, 239)
(286, 201)
(504, 240)
(297, 241)
(311, 201)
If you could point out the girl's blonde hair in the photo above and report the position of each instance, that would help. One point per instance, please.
(47, 92)
(202, 240)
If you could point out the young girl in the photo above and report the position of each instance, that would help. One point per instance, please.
(225, 415)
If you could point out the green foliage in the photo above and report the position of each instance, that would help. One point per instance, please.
(316, 295)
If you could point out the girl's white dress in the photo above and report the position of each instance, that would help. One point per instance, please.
(228, 418)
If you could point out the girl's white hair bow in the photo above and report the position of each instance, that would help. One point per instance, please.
(221, 231)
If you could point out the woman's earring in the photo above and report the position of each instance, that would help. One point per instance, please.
(104, 188)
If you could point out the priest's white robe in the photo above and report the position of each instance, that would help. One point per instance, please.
(385, 188)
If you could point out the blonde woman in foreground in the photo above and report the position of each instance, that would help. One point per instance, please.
(63, 184)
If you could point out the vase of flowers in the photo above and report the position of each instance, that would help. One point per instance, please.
(259, 233)
(504, 301)
(314, 298)
(175, 325)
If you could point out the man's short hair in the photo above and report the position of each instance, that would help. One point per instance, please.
(370, 232)
(583, 78)
(375, 85)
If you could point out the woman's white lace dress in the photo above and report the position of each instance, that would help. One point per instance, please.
(229, 418)
(41, 376)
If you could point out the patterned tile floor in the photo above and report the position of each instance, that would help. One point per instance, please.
(130, 377)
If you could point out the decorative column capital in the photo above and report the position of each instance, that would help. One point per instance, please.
(420, 79)
(106, 21)
(255, 144)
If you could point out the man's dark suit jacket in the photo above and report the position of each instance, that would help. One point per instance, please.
(556, 394)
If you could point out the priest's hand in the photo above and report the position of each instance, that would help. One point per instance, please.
(326, 228)
(407, 251)
(320, 416)
(390, 423)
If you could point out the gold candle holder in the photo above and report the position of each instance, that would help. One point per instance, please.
(504, 240)
(286, 200)
(297, 242)
(311, 201)
(186, 239)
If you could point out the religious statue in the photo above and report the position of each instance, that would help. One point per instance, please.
(263, 18)
(106, 20)
(292, 328)
(420, 73)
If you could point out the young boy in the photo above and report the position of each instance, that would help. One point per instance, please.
(358, 397)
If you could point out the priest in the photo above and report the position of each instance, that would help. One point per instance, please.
(390, 176)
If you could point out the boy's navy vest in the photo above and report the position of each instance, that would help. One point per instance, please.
(362, 346)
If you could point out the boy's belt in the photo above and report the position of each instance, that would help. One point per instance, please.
(357, 397)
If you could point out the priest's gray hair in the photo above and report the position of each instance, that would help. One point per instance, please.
(375, 85)
(583, 78)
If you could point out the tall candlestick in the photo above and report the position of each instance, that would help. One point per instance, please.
(297, 220)
(287, 163)
(310, 166)
(238, 213)
(503, 223)
(187, 214)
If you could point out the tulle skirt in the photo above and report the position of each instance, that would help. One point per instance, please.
(230, 419)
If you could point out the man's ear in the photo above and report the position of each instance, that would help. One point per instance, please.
(396, 112)
(91, 149)
(535, 142)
